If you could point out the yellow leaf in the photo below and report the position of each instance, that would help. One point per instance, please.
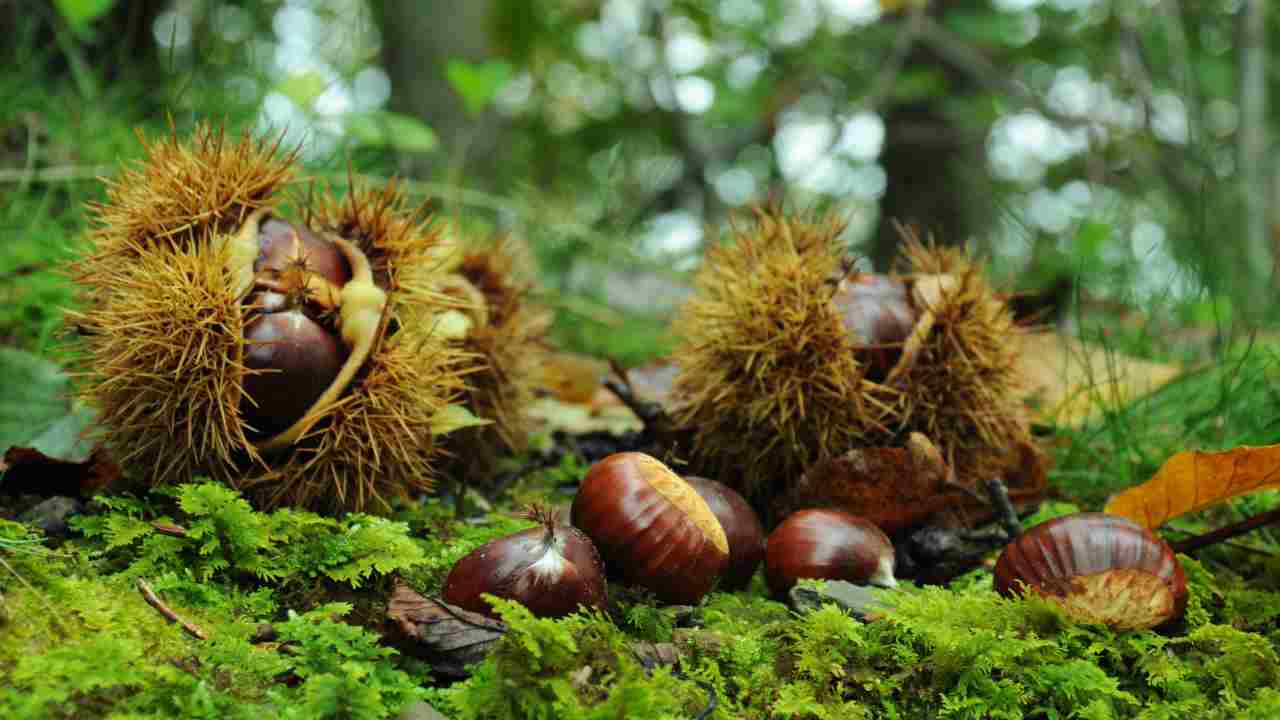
(1194, 480)
(1070, 382)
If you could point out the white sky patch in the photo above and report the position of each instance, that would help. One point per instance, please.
(1169, 118)
(673, 233)
(687, 52)
(801, 142)
(851, 13)
(744, 70)
(695, 94)
(862, 137)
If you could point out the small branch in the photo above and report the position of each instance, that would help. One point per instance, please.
(68, 173)
(1196, 542)
(169, 529)
(154, 601)
(1005, 513)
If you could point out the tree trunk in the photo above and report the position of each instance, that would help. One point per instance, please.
(1253, 147)
(420, 37)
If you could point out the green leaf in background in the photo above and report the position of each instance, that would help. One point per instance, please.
(478, 83)
(382, 128)
(33, 399)
(82, 12)
(986, 28)
(302, 88)
(36, 410)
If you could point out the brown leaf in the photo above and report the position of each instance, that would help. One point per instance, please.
(892, 487)
(1069, 382)
(572, 378)
(1193, 480)
(28, 471)
(444, 635)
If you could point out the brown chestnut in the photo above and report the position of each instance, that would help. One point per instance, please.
(552, 569)
(652, 528)
(827, 544)
(297, 359)
(742, 529)
(1099, 568)
(281, 244)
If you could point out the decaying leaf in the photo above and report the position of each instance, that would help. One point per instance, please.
(892, 487)
(1193, 480)
(899, 487)
(572, 378)
(45, 438)
(28, 471)
(446, 636)
(550, 415)
(1070, 382)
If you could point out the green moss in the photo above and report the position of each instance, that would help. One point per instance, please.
(537, 671)
(300, 554)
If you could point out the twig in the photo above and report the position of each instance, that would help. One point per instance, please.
(169, 529)
(1196, 542)
(154, 601)
(1005, 513)
(69, 173)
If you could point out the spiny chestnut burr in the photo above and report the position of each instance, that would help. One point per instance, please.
(552, 569)
(298, 362)
(1098, 568)
(741, 526)
(652, 528)
(827, 544)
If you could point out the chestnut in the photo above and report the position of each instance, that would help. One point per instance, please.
(741, 526)
(297, 359)
(552, 569)
(1098, 568)
(652, 528)
(827, 544)
(281, 244)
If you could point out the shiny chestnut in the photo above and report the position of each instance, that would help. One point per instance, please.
(827, 544)
(741, 526)
(294, 351)
(552, 569)
(295, 359)
(652, 528)
(1098, 568)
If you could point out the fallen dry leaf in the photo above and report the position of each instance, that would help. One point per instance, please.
(28, 471)
(1070, 382)
(1193, 480)
(448, 637)
(892, 487)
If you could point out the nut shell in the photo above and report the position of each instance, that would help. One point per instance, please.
(651, 527)
(282, 243)
(552, 570)
(827, 545)
(297, 359)
(742, 528)
(1099, 568)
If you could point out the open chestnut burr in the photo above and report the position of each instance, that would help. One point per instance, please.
(651, 527)
(1098, 568)
(827, 544)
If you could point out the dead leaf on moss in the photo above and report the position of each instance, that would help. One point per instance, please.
(1193, 480)
(892, 487)
(572, 378)
(448, 637)
(1070, 382)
